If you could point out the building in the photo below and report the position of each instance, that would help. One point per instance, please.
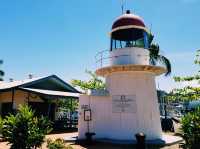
(39, 93)
(129, 104)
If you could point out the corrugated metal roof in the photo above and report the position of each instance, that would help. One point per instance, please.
(28, 83)
(52, 93)
(8, 85)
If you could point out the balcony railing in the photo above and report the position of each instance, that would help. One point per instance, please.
(103, 59)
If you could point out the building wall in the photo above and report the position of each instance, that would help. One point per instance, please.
(124, 125)
(20, 97)
(100, 106)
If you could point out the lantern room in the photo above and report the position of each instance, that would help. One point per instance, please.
(129, 30)
(130, 40)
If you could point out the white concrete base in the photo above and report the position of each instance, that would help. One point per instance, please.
(166, 140)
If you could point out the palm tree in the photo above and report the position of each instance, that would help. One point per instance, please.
(156, 57)
(1, 71)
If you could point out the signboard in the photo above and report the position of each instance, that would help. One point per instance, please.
(84, 107)
(87, 115)
(124, 104)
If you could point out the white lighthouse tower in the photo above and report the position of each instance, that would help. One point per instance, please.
(129, 104)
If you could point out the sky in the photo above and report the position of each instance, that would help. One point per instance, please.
(62, 37)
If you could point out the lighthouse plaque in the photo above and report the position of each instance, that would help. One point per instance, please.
(124, 104)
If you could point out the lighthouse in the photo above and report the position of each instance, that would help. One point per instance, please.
(129, 103)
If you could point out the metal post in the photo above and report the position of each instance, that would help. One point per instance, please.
(49, 109)
(71, 112)
(165, 108)
(88, 127)
(13, 96)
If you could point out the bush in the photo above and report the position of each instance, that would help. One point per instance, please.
(190, 126)
(57, 144)
(24, 130)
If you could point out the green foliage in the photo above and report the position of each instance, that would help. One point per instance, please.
(156, 57)
(188, 78)
(1, 125)
(93, 83)
(1, 71)
(187, 93)
(191, 78)
(197, 59)
(190, 127)
(24, 130)
(57, 144)
(68, 104)
(150, 38)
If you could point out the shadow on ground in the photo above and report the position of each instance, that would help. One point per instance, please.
(98, 145)
(68, 130)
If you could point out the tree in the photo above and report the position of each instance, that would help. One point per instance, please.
(93, 83)
(187, 93)
(190, 123)
(68, 104)
(155, 57)
(24, 130)
(1, 71)
(190, 127)
(195, 77)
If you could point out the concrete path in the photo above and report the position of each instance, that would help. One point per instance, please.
(3, 145)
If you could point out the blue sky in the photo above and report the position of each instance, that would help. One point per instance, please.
(63, 36)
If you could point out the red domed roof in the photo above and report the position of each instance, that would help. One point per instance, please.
(127, 21)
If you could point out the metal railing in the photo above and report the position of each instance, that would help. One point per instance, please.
(104, 59)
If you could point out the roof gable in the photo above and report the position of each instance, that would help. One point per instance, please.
(52, 82)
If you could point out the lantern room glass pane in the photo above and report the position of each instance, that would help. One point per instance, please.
(141, 42)
(118, 44)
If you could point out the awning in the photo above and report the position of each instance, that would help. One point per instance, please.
(52, 93)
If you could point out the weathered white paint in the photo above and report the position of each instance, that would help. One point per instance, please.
(129, 55)
(124, 126)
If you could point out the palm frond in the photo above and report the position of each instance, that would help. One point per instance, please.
(153, 60)
(166, 63)
(154, 53)
(151, 37)
(1, 73)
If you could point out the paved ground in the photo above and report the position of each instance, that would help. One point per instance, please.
(3, 145)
